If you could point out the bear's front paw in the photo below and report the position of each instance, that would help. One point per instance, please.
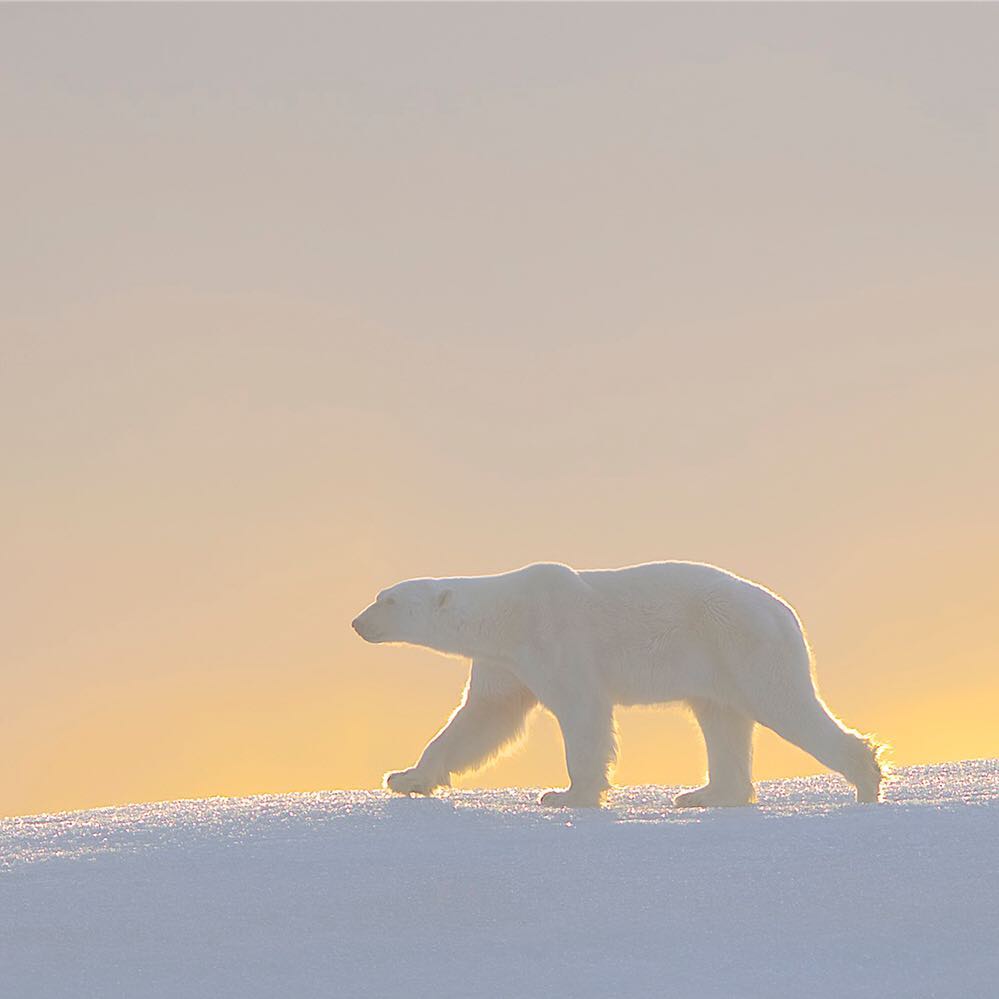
(572, 798)
(412, 781)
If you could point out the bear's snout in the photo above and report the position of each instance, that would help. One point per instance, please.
(362, 625)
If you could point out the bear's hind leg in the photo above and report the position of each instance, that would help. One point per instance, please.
(728, 738)
(808, 723)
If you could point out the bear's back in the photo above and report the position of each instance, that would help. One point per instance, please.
(658, 579)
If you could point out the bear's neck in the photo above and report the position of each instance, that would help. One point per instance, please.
(486, 619)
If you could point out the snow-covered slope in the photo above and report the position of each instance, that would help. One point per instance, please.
(482, 893)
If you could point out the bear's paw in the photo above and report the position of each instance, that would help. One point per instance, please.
(571, 798)
(713, 797)
(413, 781)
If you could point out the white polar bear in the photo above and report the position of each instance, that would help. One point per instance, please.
(579, 643)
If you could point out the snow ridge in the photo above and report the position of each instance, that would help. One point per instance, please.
(358, 893)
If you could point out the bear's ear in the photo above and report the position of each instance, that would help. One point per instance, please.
(443, 598)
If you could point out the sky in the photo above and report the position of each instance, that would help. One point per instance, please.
(299, 301)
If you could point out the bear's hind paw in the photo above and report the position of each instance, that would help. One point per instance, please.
(709, 797)
(570, 799)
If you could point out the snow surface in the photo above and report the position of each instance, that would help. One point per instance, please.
(482, 893)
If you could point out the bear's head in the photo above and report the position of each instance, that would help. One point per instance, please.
(414, 612)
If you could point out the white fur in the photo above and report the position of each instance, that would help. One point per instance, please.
(580, 643)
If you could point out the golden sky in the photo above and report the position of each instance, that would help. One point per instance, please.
(296, 302)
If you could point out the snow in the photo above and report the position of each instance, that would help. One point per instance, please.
(482, 893)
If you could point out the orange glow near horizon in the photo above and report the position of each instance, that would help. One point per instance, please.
(600, 285)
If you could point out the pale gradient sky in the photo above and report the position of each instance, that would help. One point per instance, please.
(297, 301)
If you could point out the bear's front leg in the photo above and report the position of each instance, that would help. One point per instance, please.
(491, 715)
(415, 781)
(590, 752)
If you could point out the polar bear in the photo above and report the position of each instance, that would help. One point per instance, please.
(581, 642)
